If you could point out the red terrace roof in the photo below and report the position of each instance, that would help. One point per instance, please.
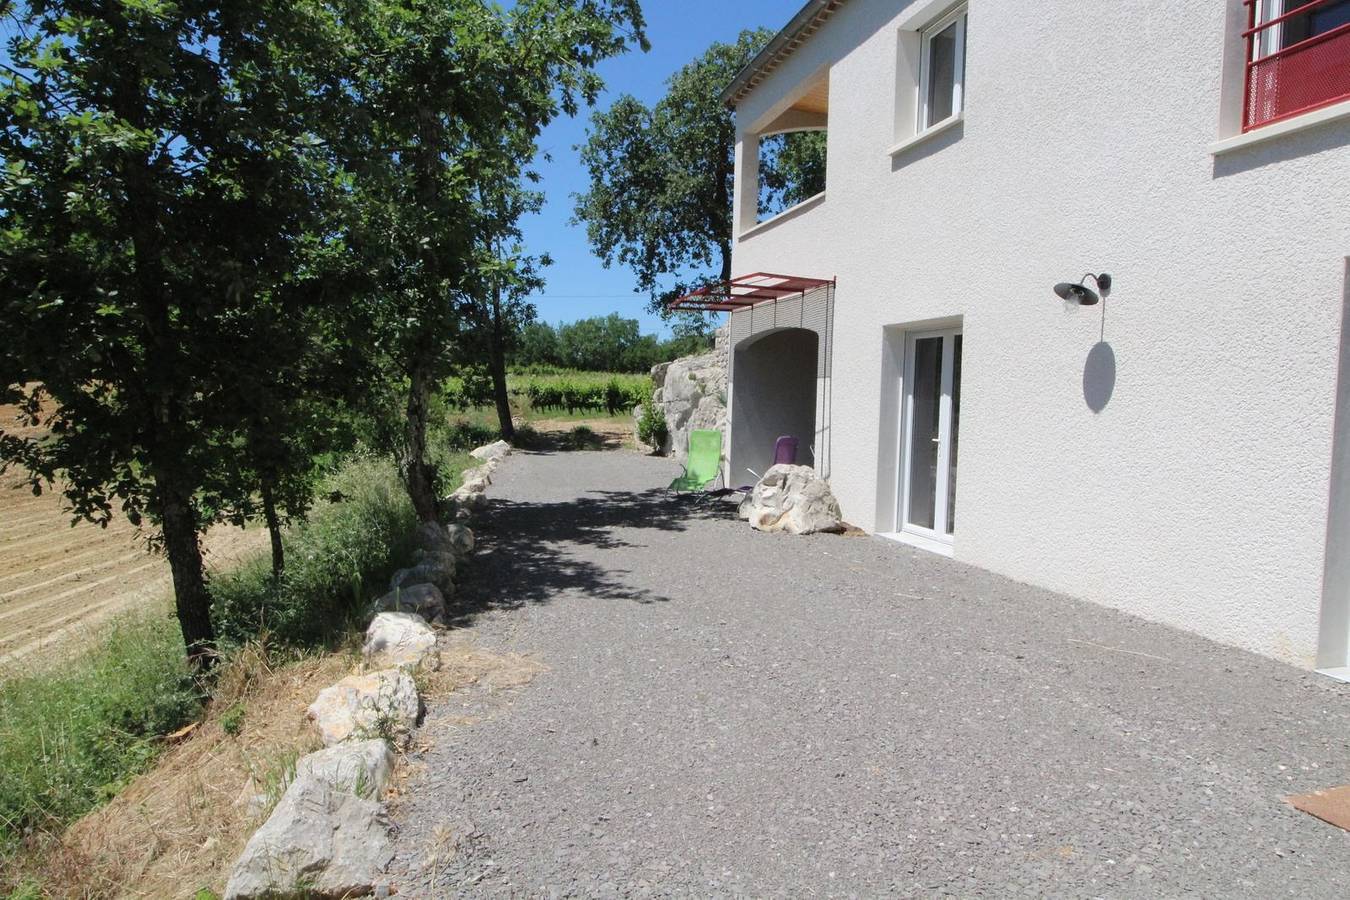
(746, 291)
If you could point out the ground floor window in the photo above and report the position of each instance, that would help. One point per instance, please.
(931, 419)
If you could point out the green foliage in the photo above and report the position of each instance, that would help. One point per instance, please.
(27, 890)
(461, 436)
(70, 740)
(652, 429)
(583, 437)
(537, 345)
(659, 199)
(337, 559)
(470, 390)
(546, 389)
(792, 169)
(166, 235)
(232, 720)
(603, 344)
(586, 392)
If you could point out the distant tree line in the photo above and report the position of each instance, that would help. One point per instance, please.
(602, 344)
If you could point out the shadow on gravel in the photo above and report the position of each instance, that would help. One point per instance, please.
(529, 549)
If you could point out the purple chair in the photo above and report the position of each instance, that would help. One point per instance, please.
(784, 454)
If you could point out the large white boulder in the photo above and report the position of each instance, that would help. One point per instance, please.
(362, 767)
(395, 640)
(792, 499)
(691, 393)
(426, 600)
(328, 835)
(381, 704)
(492, 453)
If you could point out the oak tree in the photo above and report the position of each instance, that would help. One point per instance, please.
(163, 179)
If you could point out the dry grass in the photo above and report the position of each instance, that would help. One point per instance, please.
(177, 829)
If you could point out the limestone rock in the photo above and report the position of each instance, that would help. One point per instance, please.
(445, 559)
(361, 767)
(792, 499)
(691, 393)
(426, 600)
(457, 509)
(438, 571)
(461, 539)
(379, 704)
(497, 450)
(328, 836)
(432, 537)
(476, 481)
(468, 501)
(395, 640)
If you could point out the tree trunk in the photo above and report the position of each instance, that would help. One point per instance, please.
(182, 545)
(421, 474)
(497, 364)
(273, 531)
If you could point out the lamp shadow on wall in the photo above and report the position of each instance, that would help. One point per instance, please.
(1099, 376)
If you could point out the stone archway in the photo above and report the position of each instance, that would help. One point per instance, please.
(775, 385)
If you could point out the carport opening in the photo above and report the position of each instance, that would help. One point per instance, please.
(774, 386)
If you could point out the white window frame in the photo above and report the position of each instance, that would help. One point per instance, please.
(936, 539)
(1272, 37)
(958, 16)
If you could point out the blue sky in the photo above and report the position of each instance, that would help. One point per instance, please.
(679, 30)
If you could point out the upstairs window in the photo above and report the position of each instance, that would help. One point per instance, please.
(943, 69)
(1298, 58)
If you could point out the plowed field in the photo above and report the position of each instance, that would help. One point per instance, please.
(59, 582)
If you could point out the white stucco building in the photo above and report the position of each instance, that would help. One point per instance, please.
(1182, 451)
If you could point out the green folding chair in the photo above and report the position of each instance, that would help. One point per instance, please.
(704, 464)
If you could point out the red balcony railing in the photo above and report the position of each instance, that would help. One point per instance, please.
(1287, 77)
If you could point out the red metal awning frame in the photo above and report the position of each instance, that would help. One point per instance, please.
(747, 290)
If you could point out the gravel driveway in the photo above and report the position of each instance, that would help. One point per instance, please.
(727, 712)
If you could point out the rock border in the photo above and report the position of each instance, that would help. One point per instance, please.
(328, 835)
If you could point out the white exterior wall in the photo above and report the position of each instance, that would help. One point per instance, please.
(1199, 495)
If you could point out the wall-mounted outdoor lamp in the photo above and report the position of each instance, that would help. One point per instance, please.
(1082, 294)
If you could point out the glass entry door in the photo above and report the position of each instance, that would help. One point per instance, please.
(932, 413)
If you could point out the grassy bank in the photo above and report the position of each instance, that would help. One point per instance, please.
(337, 558)
(71, 739)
